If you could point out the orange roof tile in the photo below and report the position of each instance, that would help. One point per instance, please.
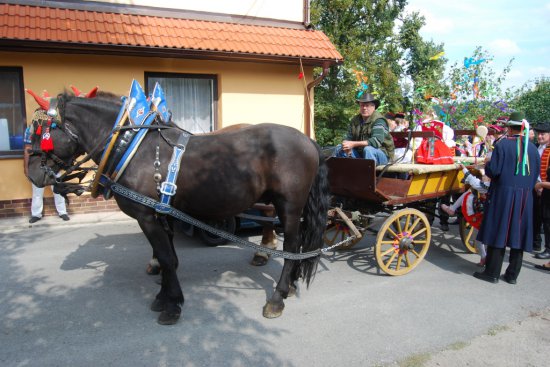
(80, 29)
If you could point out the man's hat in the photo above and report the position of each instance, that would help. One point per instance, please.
(367, 97)
(543, 127)
(497, 128)
(389, 116)
(516, 119)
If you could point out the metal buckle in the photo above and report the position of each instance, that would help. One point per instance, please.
(168, 188)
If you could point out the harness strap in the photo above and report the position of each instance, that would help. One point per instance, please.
(153, 204)
(122, 116)
(168, 187)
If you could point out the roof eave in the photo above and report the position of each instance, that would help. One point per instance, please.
(145, 51)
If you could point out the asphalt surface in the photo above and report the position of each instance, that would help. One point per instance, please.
(76, 294)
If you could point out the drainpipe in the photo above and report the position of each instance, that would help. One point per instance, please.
(306, 20)
(307, 105)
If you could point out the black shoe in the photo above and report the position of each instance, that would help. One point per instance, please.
(65, 217)
(485, 277)
(543, 267)
(444, 227)
(508, 280)
(543, 255)
(34, 219)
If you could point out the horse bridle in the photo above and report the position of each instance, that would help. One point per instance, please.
(52, 117)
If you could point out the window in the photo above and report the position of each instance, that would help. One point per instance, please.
(192, 98)
(12, 111)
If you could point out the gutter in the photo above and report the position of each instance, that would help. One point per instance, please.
(307, 98)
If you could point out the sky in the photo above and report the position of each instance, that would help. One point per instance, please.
(518, 29)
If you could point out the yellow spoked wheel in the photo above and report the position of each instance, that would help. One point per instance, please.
(468, 235)
(337, 232)
(403, 241)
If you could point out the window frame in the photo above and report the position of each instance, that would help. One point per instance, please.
(213, 77)
(18, 69)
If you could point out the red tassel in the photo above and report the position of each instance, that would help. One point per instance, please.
(47, 143)
(39, 130)
(300, 76)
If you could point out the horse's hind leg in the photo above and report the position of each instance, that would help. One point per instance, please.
(170, 298)
(275, 305)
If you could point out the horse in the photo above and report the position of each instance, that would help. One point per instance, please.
(222, 175)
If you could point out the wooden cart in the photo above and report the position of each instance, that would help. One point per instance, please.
(406, 192)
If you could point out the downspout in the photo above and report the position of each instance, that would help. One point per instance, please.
(306, 14)
(307, 97)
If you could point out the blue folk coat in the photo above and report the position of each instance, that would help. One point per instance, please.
(508, 217)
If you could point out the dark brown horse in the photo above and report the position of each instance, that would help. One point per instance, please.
(222, 175)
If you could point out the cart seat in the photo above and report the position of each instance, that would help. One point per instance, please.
(417, 169)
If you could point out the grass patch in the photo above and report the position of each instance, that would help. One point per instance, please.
(416, 360)
(458, 345)
(497, 329)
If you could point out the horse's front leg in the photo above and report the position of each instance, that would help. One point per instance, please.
(170, 298)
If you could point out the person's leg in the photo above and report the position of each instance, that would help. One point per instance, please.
(458, 203)
(444, 217)
(513, 269)
(493, 265)
(482, 253)
(546, 228)
(537, 222)
(376, 154)
(37, 203)
(339, 152)
(60, 206)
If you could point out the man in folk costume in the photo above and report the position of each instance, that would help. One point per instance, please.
(514, 168)
(368, 134)
(543, 138)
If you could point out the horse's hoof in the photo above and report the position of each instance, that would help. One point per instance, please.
(259, 260)
(169, 317)
(158, 305)
(272, 311)
(153, 270)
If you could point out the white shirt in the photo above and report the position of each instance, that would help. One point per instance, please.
(541, 149)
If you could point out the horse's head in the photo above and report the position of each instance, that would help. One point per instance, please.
(56, 135)
(45, 163)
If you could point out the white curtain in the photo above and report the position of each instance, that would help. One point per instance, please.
(190, 100)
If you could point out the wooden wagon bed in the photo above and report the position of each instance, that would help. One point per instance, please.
(360, 179)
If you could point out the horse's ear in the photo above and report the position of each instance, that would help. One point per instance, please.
(76, 92)
(92, 93)
(44, 104)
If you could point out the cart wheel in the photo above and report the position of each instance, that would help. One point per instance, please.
(337, 232)
(468, 234)
(227, 225)
(403, 241)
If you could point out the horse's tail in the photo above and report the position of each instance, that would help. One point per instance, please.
(314, 221)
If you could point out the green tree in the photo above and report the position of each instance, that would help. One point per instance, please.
(475, 92)
(534, 99)
(365, 33)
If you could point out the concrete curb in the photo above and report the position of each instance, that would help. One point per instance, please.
(22, 223)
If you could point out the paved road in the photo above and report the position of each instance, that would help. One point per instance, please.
(76, 294)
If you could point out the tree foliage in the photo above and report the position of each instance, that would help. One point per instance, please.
(383, 45)
(365, 33)
(534, 100)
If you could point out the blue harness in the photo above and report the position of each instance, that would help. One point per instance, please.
(142, 112)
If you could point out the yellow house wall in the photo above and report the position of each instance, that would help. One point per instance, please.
(247, 92)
